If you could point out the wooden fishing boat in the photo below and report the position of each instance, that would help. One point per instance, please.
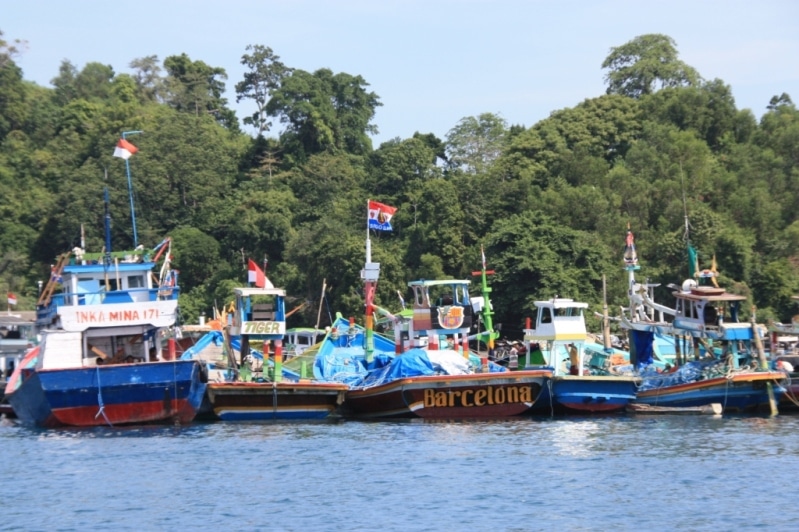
(430, 372)
(256, 386)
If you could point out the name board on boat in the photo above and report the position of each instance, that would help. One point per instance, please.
(81, 317)
(263, 327)
(490, 395)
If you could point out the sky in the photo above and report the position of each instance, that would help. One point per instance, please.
(432, 62)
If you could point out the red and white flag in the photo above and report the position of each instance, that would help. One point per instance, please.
(12, 299)
(124, 149)
(380, 216)
(256, 275)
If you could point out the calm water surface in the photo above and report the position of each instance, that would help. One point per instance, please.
(608, 473)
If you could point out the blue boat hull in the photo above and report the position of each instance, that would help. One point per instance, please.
(125, 394)
(586, 394)
(748, 392)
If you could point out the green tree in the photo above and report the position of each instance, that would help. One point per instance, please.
(476, 142)
(147, 73)
(10, 50)
(646, 63)
(324, 112)
(265, 75)
(197, 88)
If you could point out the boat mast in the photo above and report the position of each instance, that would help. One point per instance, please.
(490, 334)
(130, 190)
(370, 275)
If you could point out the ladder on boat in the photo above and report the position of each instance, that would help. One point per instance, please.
(55, 279)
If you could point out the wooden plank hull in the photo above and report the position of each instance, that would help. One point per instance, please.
(586, 394)
(740, 392)
(478, 395)
(124, 394)
(282, 401)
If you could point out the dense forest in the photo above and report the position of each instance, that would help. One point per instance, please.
(663, 150)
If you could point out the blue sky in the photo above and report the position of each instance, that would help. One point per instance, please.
(431, 62)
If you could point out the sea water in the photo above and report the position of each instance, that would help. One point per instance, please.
(627, 472)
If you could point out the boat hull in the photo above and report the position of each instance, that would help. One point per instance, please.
(477, 395)
(741, 392)
(282, 401)
(124, 394)
(586, 394)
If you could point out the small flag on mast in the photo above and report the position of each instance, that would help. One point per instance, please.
(255, 275)
(12, 300)
(124, 149)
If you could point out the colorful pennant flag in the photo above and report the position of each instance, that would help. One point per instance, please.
(12, 299)
(380, 216)
(124, 149)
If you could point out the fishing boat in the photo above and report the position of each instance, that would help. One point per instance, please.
(102, 360)
(718, 359)
(784, 356)
(559, 340)
(256, 386)
(17, 337)
(431, 373)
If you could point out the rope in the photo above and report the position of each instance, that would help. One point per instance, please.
(274, 399)
(175, 382)
(100, 400)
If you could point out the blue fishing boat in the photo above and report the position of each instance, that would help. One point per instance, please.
(718, 358)
(102, 358)
(559, 340)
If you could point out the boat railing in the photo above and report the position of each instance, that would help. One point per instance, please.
(103, 297)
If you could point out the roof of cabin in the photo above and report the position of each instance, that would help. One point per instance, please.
(561, 303)
(249, 292)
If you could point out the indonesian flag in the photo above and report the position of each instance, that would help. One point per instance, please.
(256, 275)
(12, 299)
(124, 149)
(380, 216)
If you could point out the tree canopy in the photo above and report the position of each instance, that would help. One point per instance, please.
(664, 151)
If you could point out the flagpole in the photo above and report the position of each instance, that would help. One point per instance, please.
(368, 242)
(369, 275)
(130, 190)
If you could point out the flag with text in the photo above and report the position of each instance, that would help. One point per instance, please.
(380, 216)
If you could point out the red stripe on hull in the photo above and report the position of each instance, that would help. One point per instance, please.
(123, 414)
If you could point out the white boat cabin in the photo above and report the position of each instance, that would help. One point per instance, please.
(106, 312)
(298, 340)
(559, 335)
(709, 312)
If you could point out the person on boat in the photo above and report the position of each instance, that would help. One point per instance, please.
(574, 360)
(513, 358)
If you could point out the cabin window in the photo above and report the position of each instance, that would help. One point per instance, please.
(135, 281)
(546, 316)
(109, 284)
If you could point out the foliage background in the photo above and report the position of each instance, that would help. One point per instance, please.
(663, 150)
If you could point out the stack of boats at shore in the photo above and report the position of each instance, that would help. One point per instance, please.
(110, 354)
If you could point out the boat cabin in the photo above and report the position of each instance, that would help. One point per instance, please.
(300, 339)
(559, 335)
(110, 309)
(260, 313)
(441, 308)
(709, 311)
